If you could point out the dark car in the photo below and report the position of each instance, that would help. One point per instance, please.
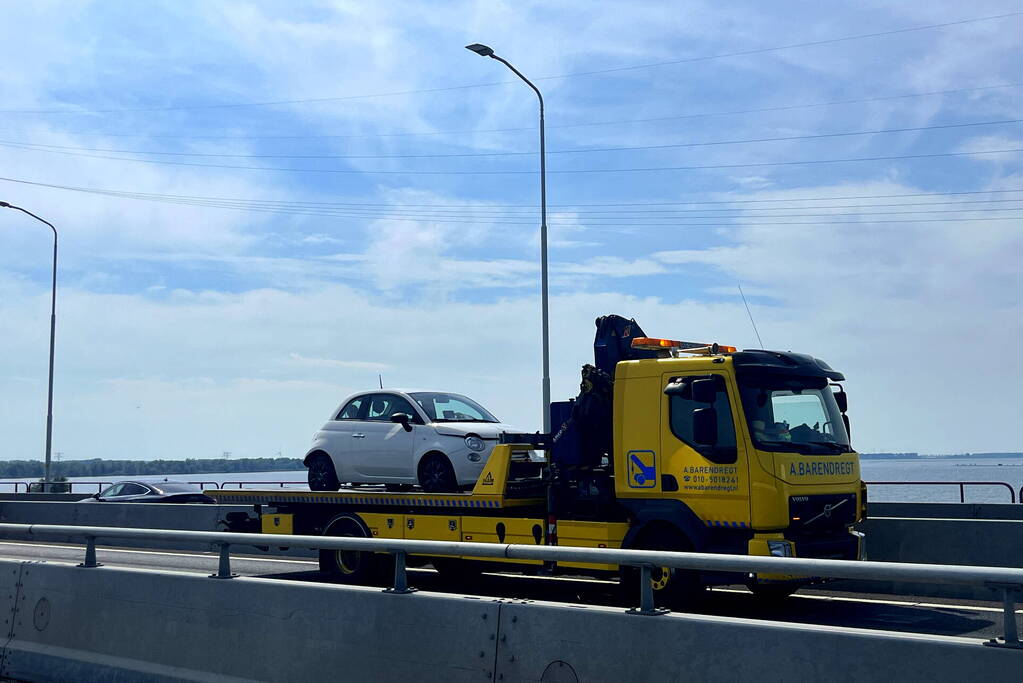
(151, 492)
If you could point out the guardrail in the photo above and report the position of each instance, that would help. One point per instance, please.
(961, 484)
(56, 484)
(100, 485)
(1005, 579)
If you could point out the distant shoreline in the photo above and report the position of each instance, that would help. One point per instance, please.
(928, 456)
(98, 467)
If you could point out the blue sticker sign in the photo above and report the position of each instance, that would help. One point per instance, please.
(642, 469)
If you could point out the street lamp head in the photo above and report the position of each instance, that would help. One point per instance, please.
(4, 205)
(481, 50)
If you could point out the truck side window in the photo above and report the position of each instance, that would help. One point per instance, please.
(680, 412)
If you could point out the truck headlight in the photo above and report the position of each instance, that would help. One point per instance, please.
(475, 443)
(780, 548)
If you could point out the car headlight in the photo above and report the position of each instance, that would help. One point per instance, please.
(475, 443)
(780, 548)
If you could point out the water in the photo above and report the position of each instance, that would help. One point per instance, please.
(1008, 470)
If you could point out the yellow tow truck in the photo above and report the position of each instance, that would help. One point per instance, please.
(670, 445)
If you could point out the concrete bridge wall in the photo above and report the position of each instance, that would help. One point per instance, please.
(67, 623)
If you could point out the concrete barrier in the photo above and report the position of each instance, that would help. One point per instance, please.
(547, 642)
(10, 581)
(127, 625)
(138, 625)
(982, 542)
(946, 510)
(134, 515)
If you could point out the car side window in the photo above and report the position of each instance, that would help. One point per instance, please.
(681, 409)
(382, 406)
(352, 409)
(400, 405)
(111, 491)
(133, 490)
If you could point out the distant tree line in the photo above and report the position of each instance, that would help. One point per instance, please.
(97, 467)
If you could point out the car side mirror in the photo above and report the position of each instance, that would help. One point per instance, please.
(705, 426)
(404, 419)
(705, 390)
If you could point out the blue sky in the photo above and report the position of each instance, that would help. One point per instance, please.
(232, 308)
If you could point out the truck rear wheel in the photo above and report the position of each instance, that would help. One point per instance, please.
(351, 566)
(676, 589)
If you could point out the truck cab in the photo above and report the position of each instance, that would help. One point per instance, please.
(745, 452)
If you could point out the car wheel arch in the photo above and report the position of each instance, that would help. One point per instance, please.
(315, 453)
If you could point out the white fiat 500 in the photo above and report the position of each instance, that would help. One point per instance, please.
(438, 440)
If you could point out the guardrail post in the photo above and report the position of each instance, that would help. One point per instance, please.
(1011, 639)
(400, 577)
(646, 595)
(224, 568)
(90, 554)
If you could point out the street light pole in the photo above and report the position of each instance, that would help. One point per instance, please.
(484, 51)
(53, 330)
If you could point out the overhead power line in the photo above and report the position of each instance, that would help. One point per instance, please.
(532, 207)
(593, 72)
(532, 129)
(740, 220)
(634, 148)
(647, 169)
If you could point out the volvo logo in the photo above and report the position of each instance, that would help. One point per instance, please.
(828, 509)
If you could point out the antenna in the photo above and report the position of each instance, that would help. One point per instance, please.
(750, 313)
(380, 378)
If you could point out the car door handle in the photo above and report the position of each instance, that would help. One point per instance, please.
(357, 435)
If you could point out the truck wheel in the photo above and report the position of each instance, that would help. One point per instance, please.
(455, 570)
(772, 593)
(676, 589)
(436, 475)
(350, 566)
(322, 476)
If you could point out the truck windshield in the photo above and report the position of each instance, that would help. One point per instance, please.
(795, 414)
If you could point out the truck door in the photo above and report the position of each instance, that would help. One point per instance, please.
(712, 478)
(384, 448)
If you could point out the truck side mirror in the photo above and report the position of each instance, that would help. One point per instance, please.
(842, 400)
(705, 426)
(705, 390)
(404, 419)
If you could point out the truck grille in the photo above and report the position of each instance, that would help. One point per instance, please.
(814, 515)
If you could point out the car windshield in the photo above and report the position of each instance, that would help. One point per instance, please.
(795, 414)
(451, 407)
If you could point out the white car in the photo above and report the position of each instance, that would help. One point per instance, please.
(438, 440)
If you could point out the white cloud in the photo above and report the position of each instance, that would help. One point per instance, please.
(299, 359)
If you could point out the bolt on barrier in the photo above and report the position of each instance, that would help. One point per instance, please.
(1006, 580)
